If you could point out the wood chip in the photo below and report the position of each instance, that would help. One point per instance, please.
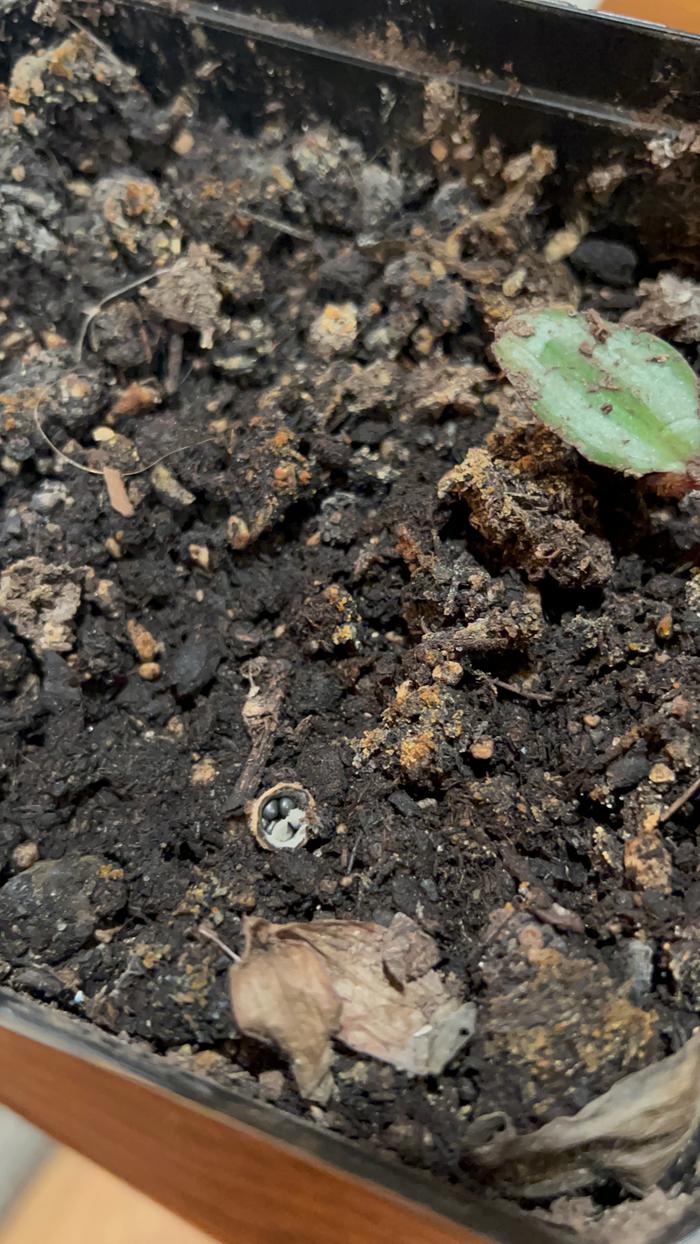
(116, 491)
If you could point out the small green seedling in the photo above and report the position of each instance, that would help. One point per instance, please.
(624, 399)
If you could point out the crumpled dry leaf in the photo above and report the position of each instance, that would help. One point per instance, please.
(671, 305)
(407, 951)
(631, 1134)
(282, 993)
(374, 989)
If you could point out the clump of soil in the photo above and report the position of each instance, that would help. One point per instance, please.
(476, 653)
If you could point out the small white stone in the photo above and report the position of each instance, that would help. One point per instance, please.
(48, 496)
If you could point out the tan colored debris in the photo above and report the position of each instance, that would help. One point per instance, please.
(41, 600)
(149, 671)
(671, 305)
(188, 293)
(203, 772)
(135, 399)
(632, 1134)
(334, 330)
(145, 645)
(532, 517)
(116, 491)
(647, 861)
(168, 487)
(552, 1010)
(375, 989)
(267, 685)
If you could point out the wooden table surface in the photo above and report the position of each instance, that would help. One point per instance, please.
(238, 1184)
(676, 14)
(72, 1201)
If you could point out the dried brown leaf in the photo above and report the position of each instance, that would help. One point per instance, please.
(418, 1023)
(632, 1134)
(116, 491)
(407, 952)
(282, 993)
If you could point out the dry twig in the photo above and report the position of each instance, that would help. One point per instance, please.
(205, 930)
(543, 697)
(91, 312)
(112, 476)
(678, 803)
(124, 474)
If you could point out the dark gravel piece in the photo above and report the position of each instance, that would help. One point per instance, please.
(54, 907)
(611, 263)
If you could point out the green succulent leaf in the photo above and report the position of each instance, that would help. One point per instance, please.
(624, 399)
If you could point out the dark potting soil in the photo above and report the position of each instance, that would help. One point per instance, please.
(478, 654)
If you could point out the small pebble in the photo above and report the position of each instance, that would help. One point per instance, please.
(608, 261)
(514, 283)
(482, 749)
(286, 805)
(238, 532)
(183, 143)
(199, 554)
(661, 775)
(449, 672)
(271, 810)
(150, 670)
(10, 465)
(272, 1084)
(334, 331)
(203, 772)
(51, 494)
(145, 645)
(640, 956)
(169, 489)
(107, 597)
(439, 150)
(24, 855)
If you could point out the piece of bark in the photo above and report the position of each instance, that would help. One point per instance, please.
(261, 713)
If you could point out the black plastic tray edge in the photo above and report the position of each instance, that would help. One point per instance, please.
(606, 52)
